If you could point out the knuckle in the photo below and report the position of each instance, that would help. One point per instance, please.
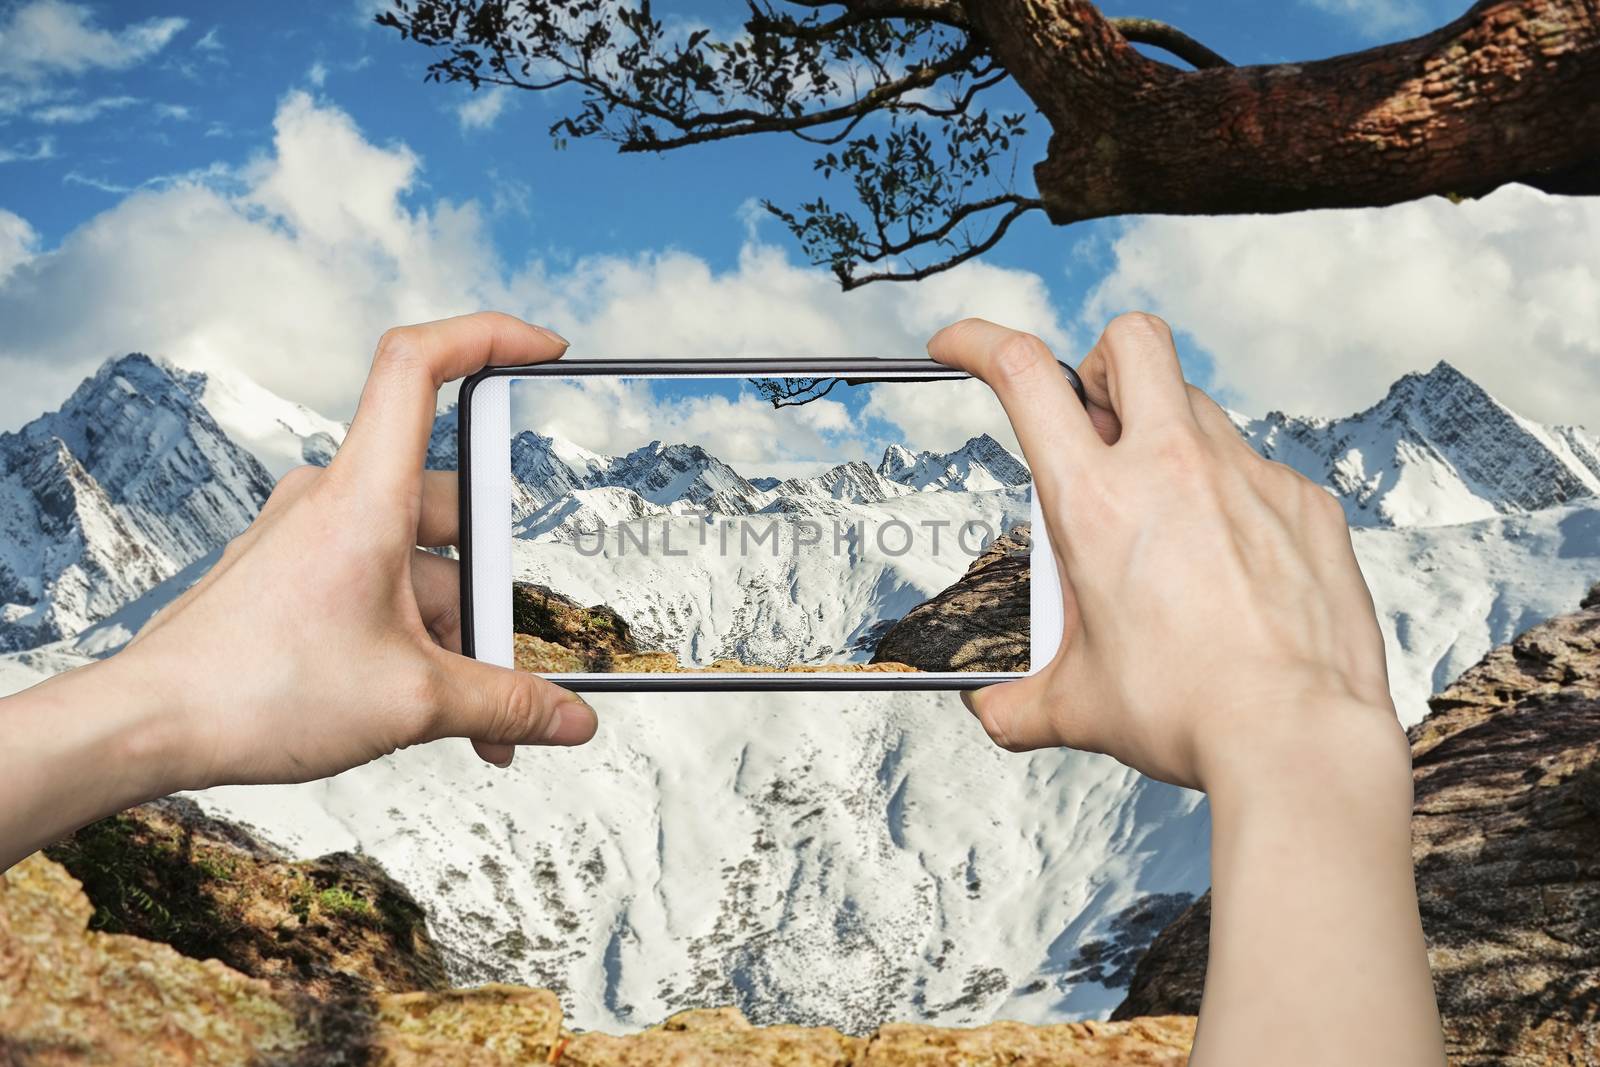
(296, 479)
(398, 348)
(1137, 327)
(1020, 356)
(425, 695)
(1201, 401)
(1325, 506)
(524, 713)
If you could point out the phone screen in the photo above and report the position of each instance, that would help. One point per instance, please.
(757, 526)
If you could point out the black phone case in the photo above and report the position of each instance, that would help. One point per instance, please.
(925, 369)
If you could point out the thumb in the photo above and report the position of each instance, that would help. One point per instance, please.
(1014, 714)
(500, 708)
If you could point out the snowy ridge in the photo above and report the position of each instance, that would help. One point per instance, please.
(1436, 450)
(279, 433)
(810, 857)
(131, 480)
(981, 463)
(547, 470)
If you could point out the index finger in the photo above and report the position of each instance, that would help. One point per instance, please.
(388, 440)
(1050, 421)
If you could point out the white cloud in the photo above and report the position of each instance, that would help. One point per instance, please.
(1378, 17)
(673, 303)
(15, 99)
(85, 111)
(211, 41)
(89, 181)
(45, 36)
(613, 416)
(318, 74)
(1320, 311)
(483, 108)
(943, 416)
(289, 277)
(33, 151)
(18, 242)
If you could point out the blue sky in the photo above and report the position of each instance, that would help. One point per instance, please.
(163, 98)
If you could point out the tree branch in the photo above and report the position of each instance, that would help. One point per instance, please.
(1021, 206)
(1169, 39)
(742, 122)
(1506, 93)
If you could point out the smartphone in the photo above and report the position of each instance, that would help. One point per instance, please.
(750, 524)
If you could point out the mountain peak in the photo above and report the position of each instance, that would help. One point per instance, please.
(1437, 449)
(980, 463)
(1442, 382)
(143, 372)
(897, 459)
(980, 445)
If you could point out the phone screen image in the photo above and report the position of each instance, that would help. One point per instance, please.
(763, 526)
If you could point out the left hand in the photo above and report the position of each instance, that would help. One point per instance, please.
(324, 637)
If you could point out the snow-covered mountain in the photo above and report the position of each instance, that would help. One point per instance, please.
(1437, 449)
(555, 479)
(132, 479)
(545, 469)
(667, 474)
(579, 512)
(981, 463)
(850, 483)
(811, 857)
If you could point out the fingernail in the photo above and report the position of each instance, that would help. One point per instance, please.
(548, 332)
(570, 709)
(508, 760)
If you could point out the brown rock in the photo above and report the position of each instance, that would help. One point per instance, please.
(337, 925)
(490, 1025)
(720, 1036)
(978, 624)
(594, 635)
(1506, 837)
(1158, 1042)
(71, 995)
(68, 995)
(1172, 972)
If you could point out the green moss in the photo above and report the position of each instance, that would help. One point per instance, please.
(148, 884)
(337, 900)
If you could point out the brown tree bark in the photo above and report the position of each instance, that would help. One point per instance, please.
(1508, 92)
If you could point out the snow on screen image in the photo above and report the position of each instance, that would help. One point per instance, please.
(694, 524)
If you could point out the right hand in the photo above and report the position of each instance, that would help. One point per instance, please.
(1215, 613)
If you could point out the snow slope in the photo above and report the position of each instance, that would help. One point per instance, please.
(279, 433)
